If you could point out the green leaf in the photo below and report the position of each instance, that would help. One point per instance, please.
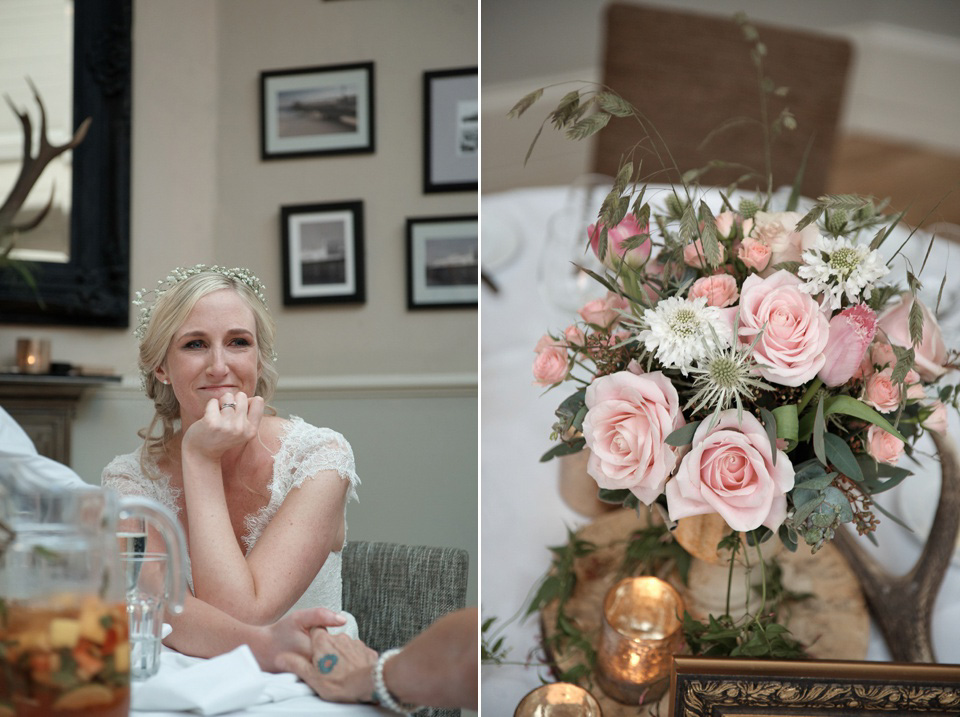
(815, 484)
(608, 495)
(849, 406)
(819, 428)
(787, 424)
(798, 179)
(770, 426)
(589, 126)
(563, 449)
(839, 453)
(525, 104)
(683, 436)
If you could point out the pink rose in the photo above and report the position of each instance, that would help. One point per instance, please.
(730, 471)
(616, 238)
(550, 366)
(754, 253)
(693, 254)
(882, 393)
(719, 290)
(544, 342)
(851, 332)
(881, 355)
(937, 420)
(884, 447)
(603, 312)
(628, 417)
(574, 336)
(777, 230)
(790, 349)
(726, 224)
(931, 354)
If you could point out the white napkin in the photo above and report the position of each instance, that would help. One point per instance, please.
(225, 683)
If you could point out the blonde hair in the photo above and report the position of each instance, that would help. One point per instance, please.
(166, 316)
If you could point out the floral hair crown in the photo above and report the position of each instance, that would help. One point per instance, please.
(146, 299)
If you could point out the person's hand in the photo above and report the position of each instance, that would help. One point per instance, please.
(290, 635)
(221, 429)
(340, 668)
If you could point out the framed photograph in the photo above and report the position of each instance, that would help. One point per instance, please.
(801, 688)
(442, 262)
(323, 253)
(451, 137)
(316, 111)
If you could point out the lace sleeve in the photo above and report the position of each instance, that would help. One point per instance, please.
(125, 476)
(306, 450)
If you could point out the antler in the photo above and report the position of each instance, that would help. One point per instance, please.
(33, 167)
(903, 606)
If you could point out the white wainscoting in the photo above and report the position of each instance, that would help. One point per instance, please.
(414, 439)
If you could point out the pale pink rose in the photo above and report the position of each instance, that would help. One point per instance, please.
(693, 254)
(574, 336)
(550, 366)
(603, 312)
(937, 420)
(882, 393)
(931, 354)
(790, 349)
(884, 447)
(634, 367)
(628, 418)
(546, 341)
(726, 224)
(778, 230)
(851, 332)
(882, 356)
(719, 290)
(616, 237)
(755, 254)
(730, 471)
(915, 392)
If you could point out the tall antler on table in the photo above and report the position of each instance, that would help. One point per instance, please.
(903, 606)
(30, 171)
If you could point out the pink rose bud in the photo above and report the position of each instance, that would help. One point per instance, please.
(726, 224)
(545, 341)
(851, 332)
(931, 354)
(754, 253)
(603, 312)
(574, 336)
(693, 255)
(881, 392)
(937, 420)
(550, 366)
(884, 447)
(882, 356)
(617, 237)
(720, 290)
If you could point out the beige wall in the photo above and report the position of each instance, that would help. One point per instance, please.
(400, 385)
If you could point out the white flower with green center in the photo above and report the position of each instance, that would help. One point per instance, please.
(838, 267)
(679, 333)
(724, 379)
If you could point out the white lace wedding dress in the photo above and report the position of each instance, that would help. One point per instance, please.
(304, 451)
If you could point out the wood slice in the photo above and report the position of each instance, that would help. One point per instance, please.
(832, 625)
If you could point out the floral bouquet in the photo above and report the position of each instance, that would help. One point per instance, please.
(749, 363)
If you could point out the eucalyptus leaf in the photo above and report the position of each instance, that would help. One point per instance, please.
(819, 428)
(841, 456)
(563, 449)
(683, 436)
(770, 426)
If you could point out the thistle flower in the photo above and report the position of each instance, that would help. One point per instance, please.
(725, 378)
(681, 331)
(841, 267)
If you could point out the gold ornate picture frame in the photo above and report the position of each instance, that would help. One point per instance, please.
(734, 687)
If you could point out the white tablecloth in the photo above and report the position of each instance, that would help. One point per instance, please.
(521, 508)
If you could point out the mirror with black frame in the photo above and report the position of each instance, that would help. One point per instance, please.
(89, 285)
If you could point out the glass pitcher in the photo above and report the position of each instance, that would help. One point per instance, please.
(64, 633)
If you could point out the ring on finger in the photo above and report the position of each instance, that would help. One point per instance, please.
(228, 405)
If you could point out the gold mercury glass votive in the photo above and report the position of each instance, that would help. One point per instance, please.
(640, 634)
(558, 699)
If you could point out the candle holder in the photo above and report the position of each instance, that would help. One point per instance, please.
(559, 699)
(641, 631)
(33, 355)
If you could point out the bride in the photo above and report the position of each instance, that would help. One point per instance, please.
(261, 499)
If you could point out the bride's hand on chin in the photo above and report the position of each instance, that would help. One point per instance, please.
(221, 429)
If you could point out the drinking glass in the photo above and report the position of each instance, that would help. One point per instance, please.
(148, 587)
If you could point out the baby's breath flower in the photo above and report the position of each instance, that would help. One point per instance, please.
(838, 267)
(681, 331)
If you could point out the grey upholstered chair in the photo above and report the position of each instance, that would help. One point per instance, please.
(396, 591)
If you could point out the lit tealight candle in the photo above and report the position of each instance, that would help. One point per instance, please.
(559, 699)
(33, 355)
(642, 620)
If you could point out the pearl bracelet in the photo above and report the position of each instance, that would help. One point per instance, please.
(380, 691)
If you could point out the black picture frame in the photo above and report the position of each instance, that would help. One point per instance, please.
(316, 111)
(442, 262)
(323, 253)
(93, 287)
(451, 138)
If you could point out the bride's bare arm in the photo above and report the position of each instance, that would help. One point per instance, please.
(260, 587)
